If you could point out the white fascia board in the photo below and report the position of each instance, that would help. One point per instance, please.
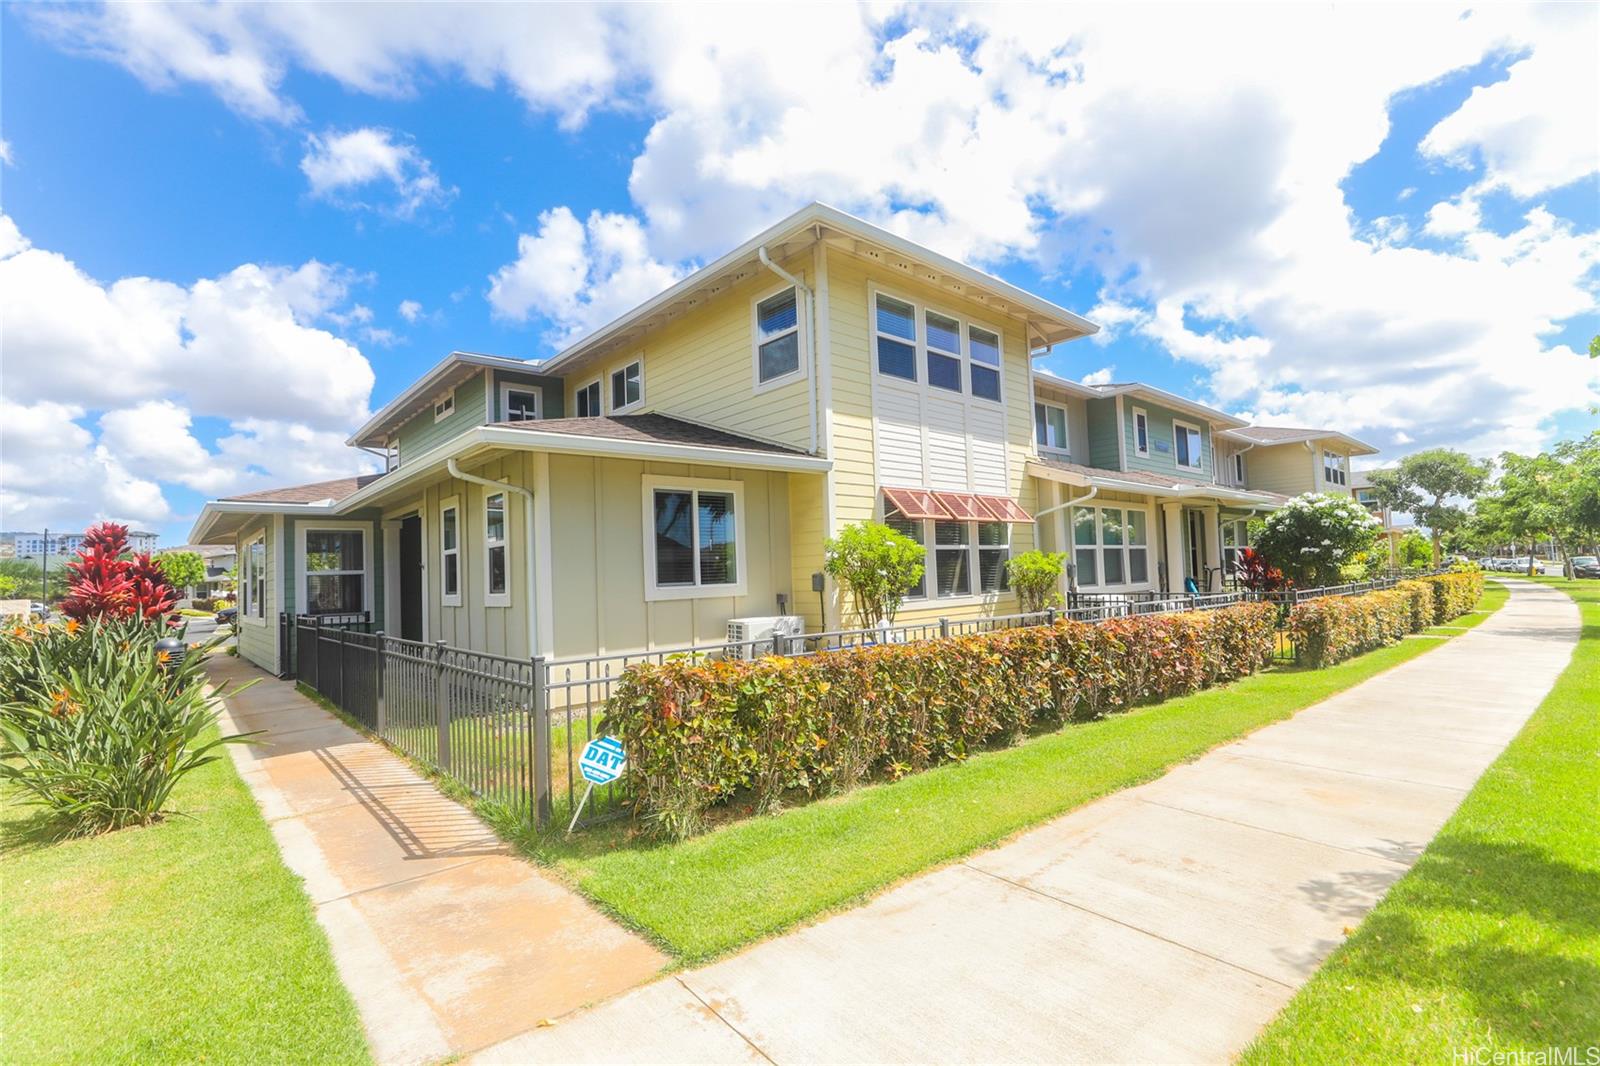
(215, 509)
(812, 215)
(483, 437)
(1116, 484)
(1168, 399)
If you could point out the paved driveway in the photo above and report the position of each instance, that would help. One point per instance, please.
(1167, 923)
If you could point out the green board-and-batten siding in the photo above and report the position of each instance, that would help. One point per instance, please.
(552, 392)
(1102, 419)
(423, 433)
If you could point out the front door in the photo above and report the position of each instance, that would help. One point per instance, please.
(411, 577)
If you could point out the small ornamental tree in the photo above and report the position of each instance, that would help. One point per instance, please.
(1256, 574)
(877, 565)
(183, 570)
(1414, 551)
(108, 584)
(1313, 537)
(1035, 577)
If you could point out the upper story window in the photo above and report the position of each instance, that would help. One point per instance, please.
(627, 386)
(1238, 468)
(1186, 445)
(1333, 468)
(334, 565)
(955, 356)
(983, 347)
(896, 334)
(1141, 432)
(777, 337)
(1050, 426)
(519, 403)
(444, 407)
(693, 538)
(587, 401)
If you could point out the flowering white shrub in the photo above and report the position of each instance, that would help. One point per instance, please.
(1314, 536)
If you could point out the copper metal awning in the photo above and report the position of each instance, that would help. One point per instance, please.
(915, 503)
(955, 506)
(1005, 509)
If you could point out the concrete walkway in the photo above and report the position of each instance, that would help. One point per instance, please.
(447, 942)
(1167, 923)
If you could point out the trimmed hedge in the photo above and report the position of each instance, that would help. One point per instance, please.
(1334, 628)
(696, 733)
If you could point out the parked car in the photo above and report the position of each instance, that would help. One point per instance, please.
(1586, 566)
(40, 611)
(227, 615)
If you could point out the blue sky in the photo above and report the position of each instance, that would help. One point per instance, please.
(1403, 248)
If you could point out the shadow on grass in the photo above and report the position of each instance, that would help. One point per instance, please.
(1489, 892)
(26, 828)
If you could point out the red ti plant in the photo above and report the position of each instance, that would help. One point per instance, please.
(1256, 574)
(109, 584)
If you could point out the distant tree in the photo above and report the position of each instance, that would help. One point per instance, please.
(1554, 495)
(1426, 483)
(8, 587)
(184, 570)
(26, 573)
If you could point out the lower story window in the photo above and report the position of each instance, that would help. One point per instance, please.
(496, 561)
(1235, 539)
(694, 539)
(959, 555)
(336, 571)
(1110, 546)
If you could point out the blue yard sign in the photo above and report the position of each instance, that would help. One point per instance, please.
(602, 761)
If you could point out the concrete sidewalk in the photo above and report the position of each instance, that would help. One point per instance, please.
(1166, 923)
(446, 941)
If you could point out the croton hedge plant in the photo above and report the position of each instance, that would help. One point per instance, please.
(699, 732)
(1334, 628)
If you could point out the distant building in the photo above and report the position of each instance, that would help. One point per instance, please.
(17, 544)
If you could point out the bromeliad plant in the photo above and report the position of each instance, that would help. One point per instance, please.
(108, 583)
(99, 724)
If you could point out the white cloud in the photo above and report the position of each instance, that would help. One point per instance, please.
(344, 168)
(1198, 170)
(1535, 130)
(1099, 377)
(5, 153)
(578, 275)
(150, 357)
(410, 310)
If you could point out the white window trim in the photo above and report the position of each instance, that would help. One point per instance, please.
(654, 592)
(1099, 546)
(802, 371)
(451, 503)
(920, 309)
(508, 387)
(602, 398)
(1141, 413)
(247, 599)
(302, 593)
(497, 599)
(448, 400)
(1334, 463)
(609, 382)
(1066, 428)
(1200, 459)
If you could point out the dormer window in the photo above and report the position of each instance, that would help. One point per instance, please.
(587, 401)
(627, 387)
(444, 406)
(518, 403)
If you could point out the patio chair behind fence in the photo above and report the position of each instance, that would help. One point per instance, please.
(513, 730)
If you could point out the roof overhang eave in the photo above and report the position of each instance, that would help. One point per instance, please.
(218, 509)
(1113, 483)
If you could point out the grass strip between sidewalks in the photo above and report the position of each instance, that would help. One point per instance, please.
(751, 879)
(1490, 945)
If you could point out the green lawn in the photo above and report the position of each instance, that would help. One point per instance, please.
(756, 877)
(1493, 939)
(186, 941)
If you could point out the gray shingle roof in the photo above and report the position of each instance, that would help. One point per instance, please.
(651, 429)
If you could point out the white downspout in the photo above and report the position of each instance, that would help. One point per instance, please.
(527, 520)
(1093, 490)
(811, 334)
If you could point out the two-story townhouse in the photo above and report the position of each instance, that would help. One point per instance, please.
(1136, 488)
(683, 465)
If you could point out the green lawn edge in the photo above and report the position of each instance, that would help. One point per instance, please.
(185, 941)
(1491, 942)
(755, 878)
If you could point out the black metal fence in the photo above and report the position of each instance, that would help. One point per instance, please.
(512, 730)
